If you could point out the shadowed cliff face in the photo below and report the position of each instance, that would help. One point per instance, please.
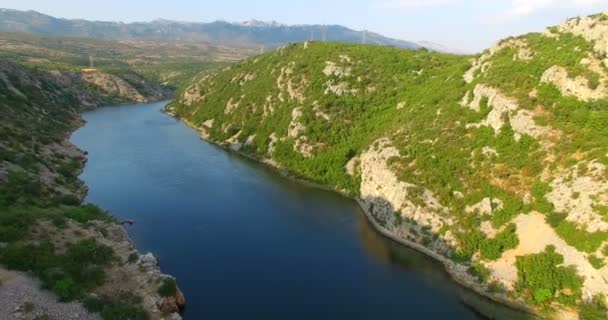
(498, 162)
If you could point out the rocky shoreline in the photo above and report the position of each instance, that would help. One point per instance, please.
(139, 272)
(458, 273)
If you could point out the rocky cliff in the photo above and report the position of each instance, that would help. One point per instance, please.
(494, 164)
(79, 253)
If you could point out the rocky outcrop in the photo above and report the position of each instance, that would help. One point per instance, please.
(128, 86)
(142, 276)
(594, 29)
(385, 196)
(231, 105)
(580, 194)
(332, 69)
(483, 63)
(504, 109)
(296, 128)
(289, 87)
(578, 87)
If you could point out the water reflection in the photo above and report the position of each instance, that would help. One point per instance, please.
(430, 271)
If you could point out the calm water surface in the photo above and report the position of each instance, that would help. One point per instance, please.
(245, 243)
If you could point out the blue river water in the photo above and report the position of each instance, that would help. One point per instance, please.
(246, 243)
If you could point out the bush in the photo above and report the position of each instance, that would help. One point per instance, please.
(86, 213)
(69, 275)
(168, 288)
(542, 278)
(68, 200)
(14, 223)
(480, 271)
(596, 262)
(492, 249)
(579, 238)
(595, 309)
(89, 252)
(128, 307)
(20, 188)
(66, 289)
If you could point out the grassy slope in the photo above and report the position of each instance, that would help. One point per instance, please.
(437, 149)
(357, 120)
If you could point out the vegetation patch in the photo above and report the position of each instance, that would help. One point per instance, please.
(542, 279)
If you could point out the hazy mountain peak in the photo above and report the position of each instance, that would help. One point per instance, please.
(260, 23)
(253, 32)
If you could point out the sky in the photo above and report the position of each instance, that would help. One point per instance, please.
(464, 25)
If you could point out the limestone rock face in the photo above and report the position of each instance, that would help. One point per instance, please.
(113, 85)
(296, 128)
(483, 63)
(578, 87)
(142, 277)
(521, 121)
(384, 194)
(580, 194)
(172, 305)
(147, 262)
(591, 28)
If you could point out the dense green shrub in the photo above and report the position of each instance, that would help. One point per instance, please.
(542, 278)
(86, 213)
(596, 262)
(14, 223)
(479, 271)
(19, 188)
(123, 307)
(69, 275)
(596, 309)
(579, 238)
(168, 287)
(492, 249)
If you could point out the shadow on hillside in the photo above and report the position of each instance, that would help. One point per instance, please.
(432, 271)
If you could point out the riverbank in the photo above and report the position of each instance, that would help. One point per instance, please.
(139, 273)
(457, 272)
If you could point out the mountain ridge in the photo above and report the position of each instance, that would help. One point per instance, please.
(271, 34)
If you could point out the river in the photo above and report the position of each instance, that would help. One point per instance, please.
(244, 242)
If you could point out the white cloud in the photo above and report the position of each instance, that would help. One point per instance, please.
(590, 2)
(520, 8)
(527, 7)
(411, 4)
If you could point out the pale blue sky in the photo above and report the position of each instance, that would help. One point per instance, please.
(468, 25)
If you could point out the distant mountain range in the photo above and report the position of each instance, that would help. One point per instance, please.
(266, 34)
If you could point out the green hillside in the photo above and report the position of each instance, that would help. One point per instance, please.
(496, 163)
(77, 251)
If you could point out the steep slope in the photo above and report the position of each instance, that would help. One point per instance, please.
(494, 165)
(216, 33)
(79, 252)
